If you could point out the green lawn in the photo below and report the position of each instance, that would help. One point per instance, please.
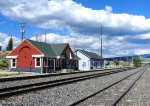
(11, 74)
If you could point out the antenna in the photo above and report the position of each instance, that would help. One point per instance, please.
(37, 36)
(22, 31)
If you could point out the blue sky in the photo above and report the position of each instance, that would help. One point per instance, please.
(126, 24)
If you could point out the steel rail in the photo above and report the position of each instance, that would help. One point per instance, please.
(5, 92)
(118, 100)
(52, 75)
(89, 96)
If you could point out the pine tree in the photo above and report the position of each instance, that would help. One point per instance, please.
(10, 44)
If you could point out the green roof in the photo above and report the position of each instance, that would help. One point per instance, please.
(50, 50)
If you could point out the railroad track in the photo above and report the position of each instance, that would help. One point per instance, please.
(107, 98)
(56, 74)
(16, 90)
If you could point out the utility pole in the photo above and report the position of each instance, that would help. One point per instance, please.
(22, 31)
(74, 46)
(101, 37)
(45, 36)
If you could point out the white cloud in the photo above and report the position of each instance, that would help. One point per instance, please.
(108, 8)
(5, 38)
(119, 29)
(114, 46)
(142, 51)
(144, 36)
(77, 18)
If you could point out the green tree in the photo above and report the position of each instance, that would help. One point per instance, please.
(137, 61)
(3, 61)
(116, 62)
(10, 45)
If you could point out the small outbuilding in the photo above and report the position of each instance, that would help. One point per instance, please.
(89, 60)
(34, 56)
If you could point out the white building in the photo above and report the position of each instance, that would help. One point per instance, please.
(89, 60)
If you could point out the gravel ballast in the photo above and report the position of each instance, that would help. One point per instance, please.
(66, 94)
(139, 95)
(110, 95)
(7, 84)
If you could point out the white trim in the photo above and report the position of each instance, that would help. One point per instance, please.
(37, 55)
(12, 63)
(41, 65)
(84, 54)
(15, 48)
(70, 55)
(36, 62)
(35, 47)
(58, 57)
(11, 57)
(20, 44)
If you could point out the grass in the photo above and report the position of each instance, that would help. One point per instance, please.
(11, 74)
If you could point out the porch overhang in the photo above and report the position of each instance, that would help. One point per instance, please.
(37, 55)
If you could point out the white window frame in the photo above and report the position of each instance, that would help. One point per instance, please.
(84, 64)
(13, 62)
(36, 62)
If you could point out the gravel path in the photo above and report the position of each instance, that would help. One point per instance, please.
(139, 95)
(8, 84)
(64, 95)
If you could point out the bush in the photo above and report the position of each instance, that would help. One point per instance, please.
(116, 62)
(137, 61)
(3, 61)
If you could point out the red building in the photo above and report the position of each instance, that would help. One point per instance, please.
(33, 56)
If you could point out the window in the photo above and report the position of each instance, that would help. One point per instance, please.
(37, 62)
(46, 62)
(84, 64)
(13, 63)
(92, 63)
(51, 63)
(76, 63)
(57, 63)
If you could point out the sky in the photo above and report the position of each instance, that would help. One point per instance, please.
(126, 24)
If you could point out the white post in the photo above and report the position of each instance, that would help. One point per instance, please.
(41, 63)
(54, 65)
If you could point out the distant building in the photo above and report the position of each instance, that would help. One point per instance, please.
(123, 58)
(145, 61)
(33, 56)
(89, 60)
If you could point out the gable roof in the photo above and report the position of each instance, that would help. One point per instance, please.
(51, 50)
(90, 54)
